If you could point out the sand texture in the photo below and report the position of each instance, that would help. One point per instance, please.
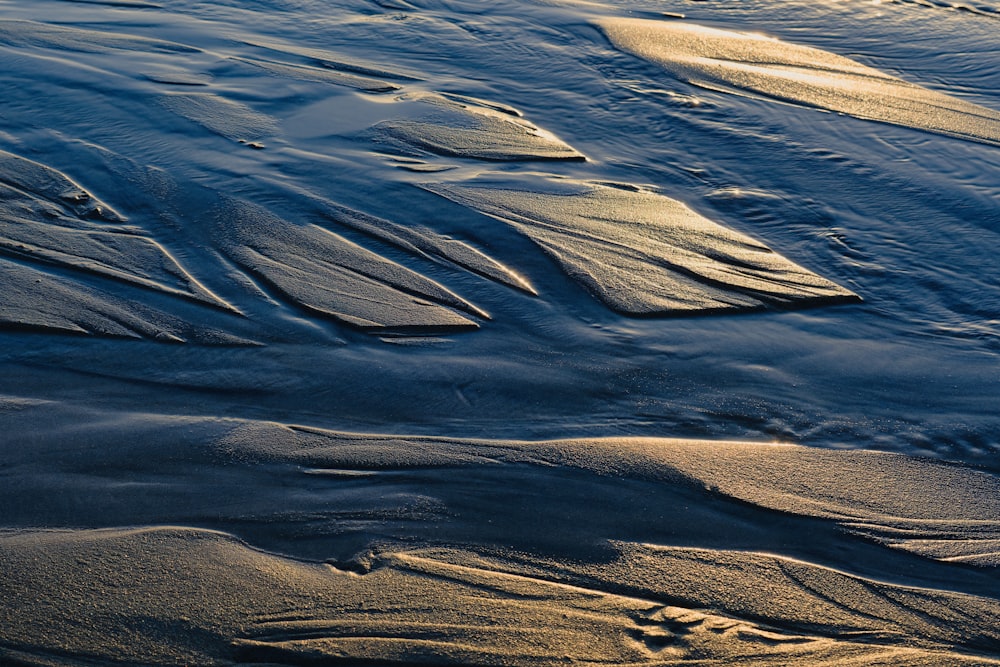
(754, 64)
(516, 576)
(176, 596)
(644, 254)
(515, 333)
(459, 129)
(328, 274)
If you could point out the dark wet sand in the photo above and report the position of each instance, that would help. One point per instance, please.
(510, 334)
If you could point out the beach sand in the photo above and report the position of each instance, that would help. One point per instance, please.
(515, 333)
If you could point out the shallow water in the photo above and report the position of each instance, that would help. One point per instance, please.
(315, 214)
(904, 218)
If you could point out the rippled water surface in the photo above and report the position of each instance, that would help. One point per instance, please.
(904, 218)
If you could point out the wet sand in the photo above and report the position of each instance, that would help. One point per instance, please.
(384, 332)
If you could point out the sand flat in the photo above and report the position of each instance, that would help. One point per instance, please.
(645, 254)
(464, 129)
(393, 552)
(753, 64)
(428, 243)
(169, 595)
(54, 235)
(36, 300)
(328, 274)
(349, 332)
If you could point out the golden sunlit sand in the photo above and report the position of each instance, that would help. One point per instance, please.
(506, 594)
(747, 63)
(527, 332)
(645, 254)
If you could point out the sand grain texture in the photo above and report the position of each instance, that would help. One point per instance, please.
(354, 333)
(172, 595)
(753, 64)
(328, 274)
(523, 575)
(463, 129)
(644, 254)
